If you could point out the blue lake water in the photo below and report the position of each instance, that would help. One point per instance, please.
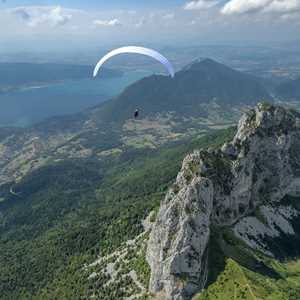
(33, 104)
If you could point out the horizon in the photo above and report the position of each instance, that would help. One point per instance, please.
(62, 26)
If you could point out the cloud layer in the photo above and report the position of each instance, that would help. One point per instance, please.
(35, 15)
(108, 23)
(200, 4)
(260, 6)
(196, 21)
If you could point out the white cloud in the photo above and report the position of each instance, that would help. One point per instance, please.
(141, 22)
(89, 28)
(169, 16)
(35, 15)
(263, 6)
(284, 6)
(200, 4)
(244, 6)
(193, 22)
(108, 23)
(290, 17)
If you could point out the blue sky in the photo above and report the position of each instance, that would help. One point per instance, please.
(70, 24)
(103, 4)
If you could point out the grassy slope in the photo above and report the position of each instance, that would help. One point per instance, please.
(239, 283)
(236, 272)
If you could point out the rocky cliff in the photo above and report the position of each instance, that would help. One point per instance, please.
(228, 187)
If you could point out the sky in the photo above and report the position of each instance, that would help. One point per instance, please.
(102, 4)
(83, 24)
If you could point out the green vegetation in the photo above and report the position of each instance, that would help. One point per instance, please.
(239, 283)
(236, 272)
(69, 212)
(141, 266)
(265, 105)
(260, 216)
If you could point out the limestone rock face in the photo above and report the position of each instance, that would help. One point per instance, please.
(223, 187)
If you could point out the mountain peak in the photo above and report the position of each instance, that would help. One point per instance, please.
(208, 61)
(223, 188)
(266, 119)
(201, 62)
(199, 84)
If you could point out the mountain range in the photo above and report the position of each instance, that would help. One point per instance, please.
(204, 96)
(98, 205)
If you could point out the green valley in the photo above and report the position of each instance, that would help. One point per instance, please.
(58, 224)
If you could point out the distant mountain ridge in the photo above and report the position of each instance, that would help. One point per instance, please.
(201, 82)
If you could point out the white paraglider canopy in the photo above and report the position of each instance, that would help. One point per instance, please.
(137, 50)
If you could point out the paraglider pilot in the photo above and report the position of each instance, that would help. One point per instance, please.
(136, 114)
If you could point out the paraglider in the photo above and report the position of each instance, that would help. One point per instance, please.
(137, 50)
(136, 114)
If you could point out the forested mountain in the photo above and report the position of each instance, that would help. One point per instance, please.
(200, 84)
(65, 214)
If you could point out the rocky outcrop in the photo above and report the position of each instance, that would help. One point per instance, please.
(224, 187)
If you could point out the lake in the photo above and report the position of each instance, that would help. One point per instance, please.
(33, 104)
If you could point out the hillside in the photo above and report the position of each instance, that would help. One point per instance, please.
(64, 215)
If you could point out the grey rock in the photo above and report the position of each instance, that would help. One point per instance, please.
(216, 188)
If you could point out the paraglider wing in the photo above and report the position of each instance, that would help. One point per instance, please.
(137, 50)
